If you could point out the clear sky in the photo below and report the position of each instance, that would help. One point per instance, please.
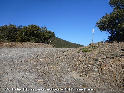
(71, 20)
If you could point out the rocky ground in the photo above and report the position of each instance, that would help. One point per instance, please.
(24, 45)
(97, 68)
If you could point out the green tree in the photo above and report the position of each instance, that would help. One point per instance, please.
(48, 36)
(30, 33)
(114, 22)
(33, 33)
(8, 33)
(117, 4)
(21, 34)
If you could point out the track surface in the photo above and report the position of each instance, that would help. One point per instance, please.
(43, 68)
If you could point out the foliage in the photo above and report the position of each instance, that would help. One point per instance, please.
(117, 4)
(60, 43)
(33, 33)
(89, 48)
(30, 33)
(8, 33)
(114, 22)
(85, 50)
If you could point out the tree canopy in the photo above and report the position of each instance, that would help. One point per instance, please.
(117, 4)
(30, 33)
(114, 22)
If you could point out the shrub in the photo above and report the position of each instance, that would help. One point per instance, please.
(85, 50)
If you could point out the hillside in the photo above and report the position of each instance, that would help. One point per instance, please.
(97, 68)
(60, 43)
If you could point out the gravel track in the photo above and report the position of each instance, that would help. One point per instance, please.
(26, 68)
(44, 68)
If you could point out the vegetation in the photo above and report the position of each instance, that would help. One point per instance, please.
(114, 22)
(60, 43)
(32, 33)
(86, 50)
(89, 48)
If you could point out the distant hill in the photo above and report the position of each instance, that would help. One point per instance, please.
(60, 43)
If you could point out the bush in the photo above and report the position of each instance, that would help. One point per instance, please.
(30, 33)
(85, 50)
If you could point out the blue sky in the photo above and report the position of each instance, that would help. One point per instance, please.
(71, 20)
